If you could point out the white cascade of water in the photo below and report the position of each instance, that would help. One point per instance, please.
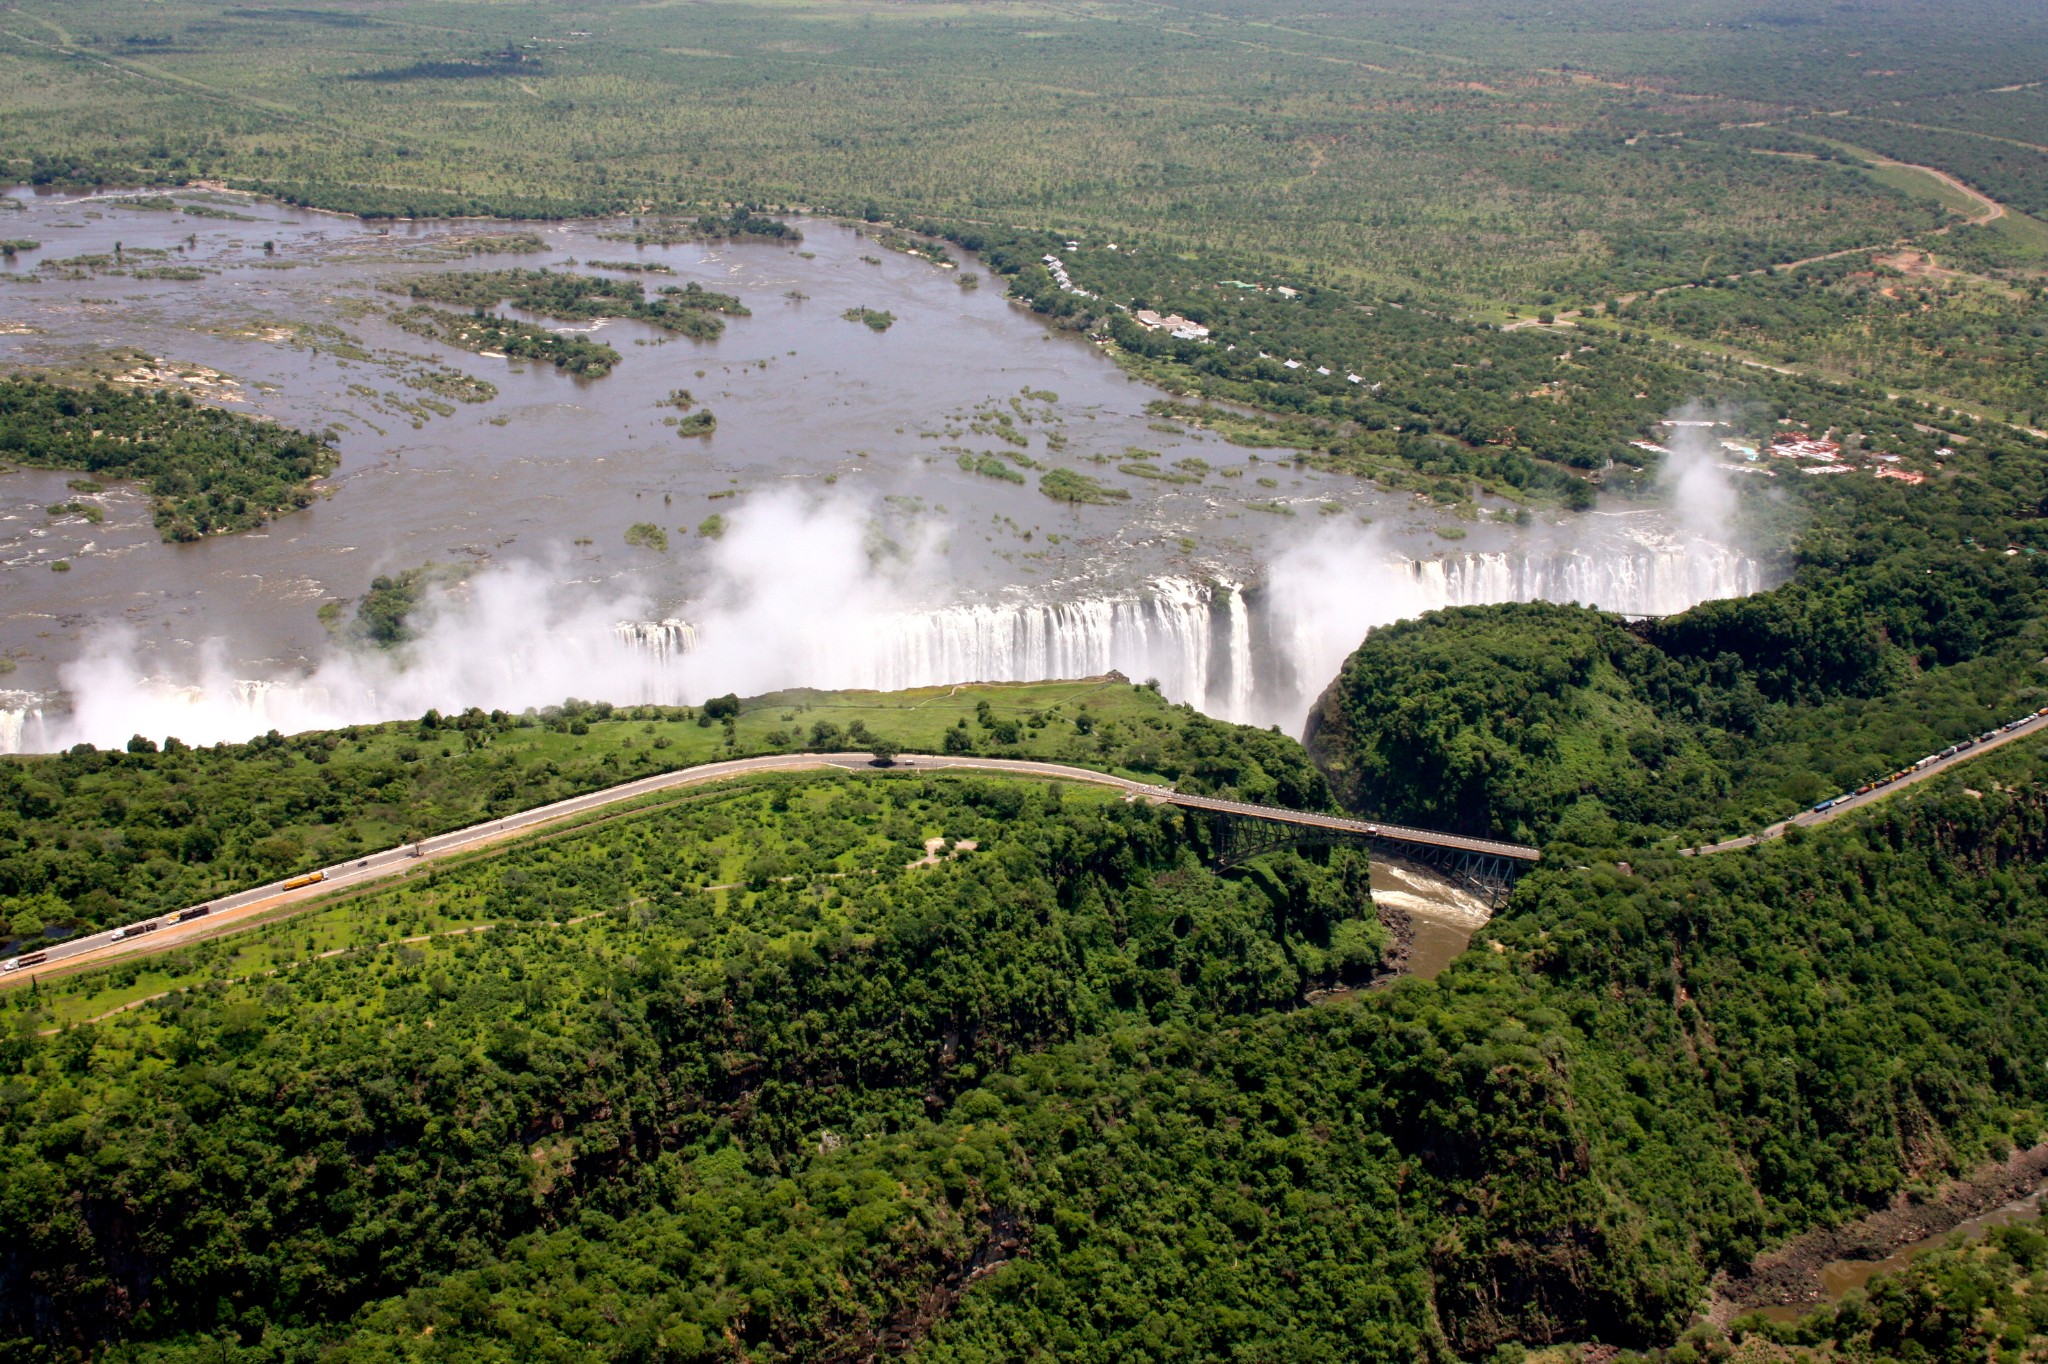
(1316, 614)
(1256, 657)
(21, 723)
(1241, 674)
(1258, 660)
(1645, 582)
(1167, 632)
(665, 639)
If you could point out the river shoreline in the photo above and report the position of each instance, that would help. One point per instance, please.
(1429, 920)
(1791, 1276)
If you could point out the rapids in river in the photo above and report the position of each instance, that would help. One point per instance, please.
(827, 534)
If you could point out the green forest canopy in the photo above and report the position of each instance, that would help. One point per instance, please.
(94, 838)
(1056, 1094)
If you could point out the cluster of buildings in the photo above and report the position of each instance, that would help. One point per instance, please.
(1812, 454)
(1281, 289)
(1173, 324)
(1806, 447)
(1183, 328)
(1323, 370)
(1823, 456)
(1057, 268)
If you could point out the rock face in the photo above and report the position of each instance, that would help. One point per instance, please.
(1328, 739)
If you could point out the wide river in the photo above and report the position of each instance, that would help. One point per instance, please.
(855, 550)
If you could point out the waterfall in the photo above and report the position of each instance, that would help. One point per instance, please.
(1645, 582)
(665, 639)
(1240, 656)
(1169, 631)
(1319, 606)
(1256, 655)
(21, 722)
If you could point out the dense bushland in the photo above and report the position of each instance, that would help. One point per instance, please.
(734, 1077)
(724, 990)
(1915, 617)
(91, 838)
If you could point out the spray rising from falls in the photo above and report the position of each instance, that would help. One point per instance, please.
(770, 620)
(1255, 656)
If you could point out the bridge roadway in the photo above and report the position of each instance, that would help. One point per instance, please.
(229, 913)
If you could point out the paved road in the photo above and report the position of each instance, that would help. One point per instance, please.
(1806, 819)
(230, 912)
(233, 911)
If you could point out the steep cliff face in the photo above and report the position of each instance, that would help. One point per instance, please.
(1328, 738)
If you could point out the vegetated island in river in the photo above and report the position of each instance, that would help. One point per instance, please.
(739, 225)
(485, 333)
(689, 309)
(1065, 485)
(383, 614)
(208, 472)
(876, 319)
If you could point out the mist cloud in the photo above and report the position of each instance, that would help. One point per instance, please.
(803, 593)
(1700, 492)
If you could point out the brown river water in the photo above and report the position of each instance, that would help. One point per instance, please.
(1840, 1277)
(1442, 916)
(857, 552)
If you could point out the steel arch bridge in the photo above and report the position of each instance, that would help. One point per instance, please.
(1235, 837)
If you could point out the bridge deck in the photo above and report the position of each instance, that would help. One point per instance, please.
(1363, 828)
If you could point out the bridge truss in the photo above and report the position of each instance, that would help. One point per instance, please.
(1235, 839)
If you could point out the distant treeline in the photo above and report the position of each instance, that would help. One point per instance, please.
(507, 62)
(1441, 403)
(376, 201)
